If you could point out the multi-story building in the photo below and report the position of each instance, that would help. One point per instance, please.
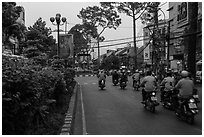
(179, 13)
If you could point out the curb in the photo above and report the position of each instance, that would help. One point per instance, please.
(67, 128)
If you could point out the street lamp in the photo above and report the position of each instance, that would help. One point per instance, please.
(58, 21)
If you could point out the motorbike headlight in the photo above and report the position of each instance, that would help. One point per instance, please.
(191, 100)
(153, 93)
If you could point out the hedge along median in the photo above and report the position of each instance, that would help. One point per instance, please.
(35, 97)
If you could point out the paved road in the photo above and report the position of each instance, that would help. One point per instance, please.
(119, 112)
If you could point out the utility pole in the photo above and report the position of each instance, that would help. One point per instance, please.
(193, 16)
(168, 45)
(134, 35)
(99, 60)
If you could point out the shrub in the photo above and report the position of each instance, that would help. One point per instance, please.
(30, 92)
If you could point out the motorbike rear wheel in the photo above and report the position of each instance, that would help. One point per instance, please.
(152, 109)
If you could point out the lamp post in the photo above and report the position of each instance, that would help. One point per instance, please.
(58, 21)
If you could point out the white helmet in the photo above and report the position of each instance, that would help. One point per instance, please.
(137, 71)
(184, 73)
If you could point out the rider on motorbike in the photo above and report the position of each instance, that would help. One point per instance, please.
(185, 86)
(149, 83)
(101, 76)
(167, 84)
(136, 77)
(123, 76)
(115, 75)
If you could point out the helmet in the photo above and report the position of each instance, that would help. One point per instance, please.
(149, 73)
(184, 73)
(136, 71)
(140, 72)
(168, 73)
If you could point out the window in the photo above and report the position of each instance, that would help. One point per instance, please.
(182, 11)
(146, 34)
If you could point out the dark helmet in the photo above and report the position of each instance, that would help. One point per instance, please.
(168, 73)
(149, 73)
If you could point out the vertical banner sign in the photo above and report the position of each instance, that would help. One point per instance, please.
(146, 53)
(66, 45)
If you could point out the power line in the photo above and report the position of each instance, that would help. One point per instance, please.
(110, 45)
(111, 40)
(121, 39)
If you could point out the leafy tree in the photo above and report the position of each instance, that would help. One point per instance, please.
(10, 13)
(100, 17)
(132, 9)
(111, 62)
(81, 33)
(38, 39)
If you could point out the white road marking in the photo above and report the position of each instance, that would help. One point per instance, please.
(83, 114)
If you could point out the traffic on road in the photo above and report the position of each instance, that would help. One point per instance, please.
(119, 108)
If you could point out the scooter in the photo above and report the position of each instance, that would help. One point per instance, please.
(168, 99)
(115, 82)
(195, 95)
(150, 102)
(102, 84)
(136, 84)
(123, 84)
(187, 109)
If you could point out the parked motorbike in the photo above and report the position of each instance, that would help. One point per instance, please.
(136, 84)
(187, 109)
(102, 84)
(151, 101)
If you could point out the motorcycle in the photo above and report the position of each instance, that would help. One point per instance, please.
(123, 84)
(168, 99)
(195, 95)
(187, 109)
(115, 82)
(151, 101)
(102, 84)
(136, 84)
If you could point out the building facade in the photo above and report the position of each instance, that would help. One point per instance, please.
(179, 14)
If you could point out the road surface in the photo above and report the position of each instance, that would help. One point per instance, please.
(113, 111)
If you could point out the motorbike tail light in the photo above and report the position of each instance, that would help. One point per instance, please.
(153, 93)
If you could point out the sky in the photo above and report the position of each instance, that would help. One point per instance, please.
(70, 10)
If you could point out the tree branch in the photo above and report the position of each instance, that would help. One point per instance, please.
(102, 30)
(141, 14)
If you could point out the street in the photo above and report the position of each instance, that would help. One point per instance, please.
(113, 111)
